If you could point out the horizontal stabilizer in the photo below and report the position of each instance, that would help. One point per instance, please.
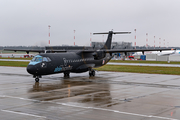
(113, 33)
(107, 45)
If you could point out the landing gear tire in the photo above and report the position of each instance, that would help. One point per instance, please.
(66, 74)
(37, 79)
(92, 73)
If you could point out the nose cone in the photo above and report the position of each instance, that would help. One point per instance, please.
(31, 69)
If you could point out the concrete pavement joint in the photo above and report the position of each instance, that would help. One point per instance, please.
(23, 113)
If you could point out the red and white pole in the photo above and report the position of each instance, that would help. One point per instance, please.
(146, 39)
(154, 42)
(168, 44)
(74, 37)
(49, 33)
(159, 42)
(90, 38)
(135, 38)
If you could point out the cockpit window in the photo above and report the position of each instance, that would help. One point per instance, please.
(34, 58)
(48, 59)
(37, 59)
(45, 59)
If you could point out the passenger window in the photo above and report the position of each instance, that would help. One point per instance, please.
(48, 59)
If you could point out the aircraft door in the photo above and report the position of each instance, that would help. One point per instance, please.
(65, 62)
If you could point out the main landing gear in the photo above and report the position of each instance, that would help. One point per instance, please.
(92, 72)
(66, 74)
(36, 78)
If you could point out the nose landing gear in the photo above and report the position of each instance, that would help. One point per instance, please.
(37, 78)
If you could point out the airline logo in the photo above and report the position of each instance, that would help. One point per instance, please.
(58, 69)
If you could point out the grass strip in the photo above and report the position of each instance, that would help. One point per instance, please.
(14, 63)
(141, 69)
(16, 58)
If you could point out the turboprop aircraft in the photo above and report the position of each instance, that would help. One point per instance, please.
(64, 61)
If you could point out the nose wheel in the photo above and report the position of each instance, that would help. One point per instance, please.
(37, 78)
(92, 72)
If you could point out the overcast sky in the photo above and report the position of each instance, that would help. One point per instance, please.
(25, 22)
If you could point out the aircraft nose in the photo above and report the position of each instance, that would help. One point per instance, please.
(31, 69)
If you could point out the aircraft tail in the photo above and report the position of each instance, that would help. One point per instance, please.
(107, 45)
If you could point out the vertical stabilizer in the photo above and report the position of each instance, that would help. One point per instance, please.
(107, 45)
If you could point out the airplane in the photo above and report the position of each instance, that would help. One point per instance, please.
(74, 61)
(168, 52)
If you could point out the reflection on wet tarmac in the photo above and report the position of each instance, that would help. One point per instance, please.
(86, 92)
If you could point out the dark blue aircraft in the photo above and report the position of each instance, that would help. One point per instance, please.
(63, 61)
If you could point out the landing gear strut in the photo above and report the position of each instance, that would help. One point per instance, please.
(66, 74)
(92, 72)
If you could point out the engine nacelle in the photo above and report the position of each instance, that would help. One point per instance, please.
(99, 54)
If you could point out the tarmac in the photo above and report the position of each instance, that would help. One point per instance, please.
(107, 96)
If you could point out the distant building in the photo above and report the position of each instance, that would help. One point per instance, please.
(67, 48)
(114, 45)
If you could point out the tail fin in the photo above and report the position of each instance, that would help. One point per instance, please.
(107, 45)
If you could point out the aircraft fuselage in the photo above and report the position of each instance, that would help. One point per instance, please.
(52, 63)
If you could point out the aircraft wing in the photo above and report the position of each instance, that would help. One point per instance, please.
(126, 50)
(89, 51)
(26, 50)
(135, 50)
(35, 50)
